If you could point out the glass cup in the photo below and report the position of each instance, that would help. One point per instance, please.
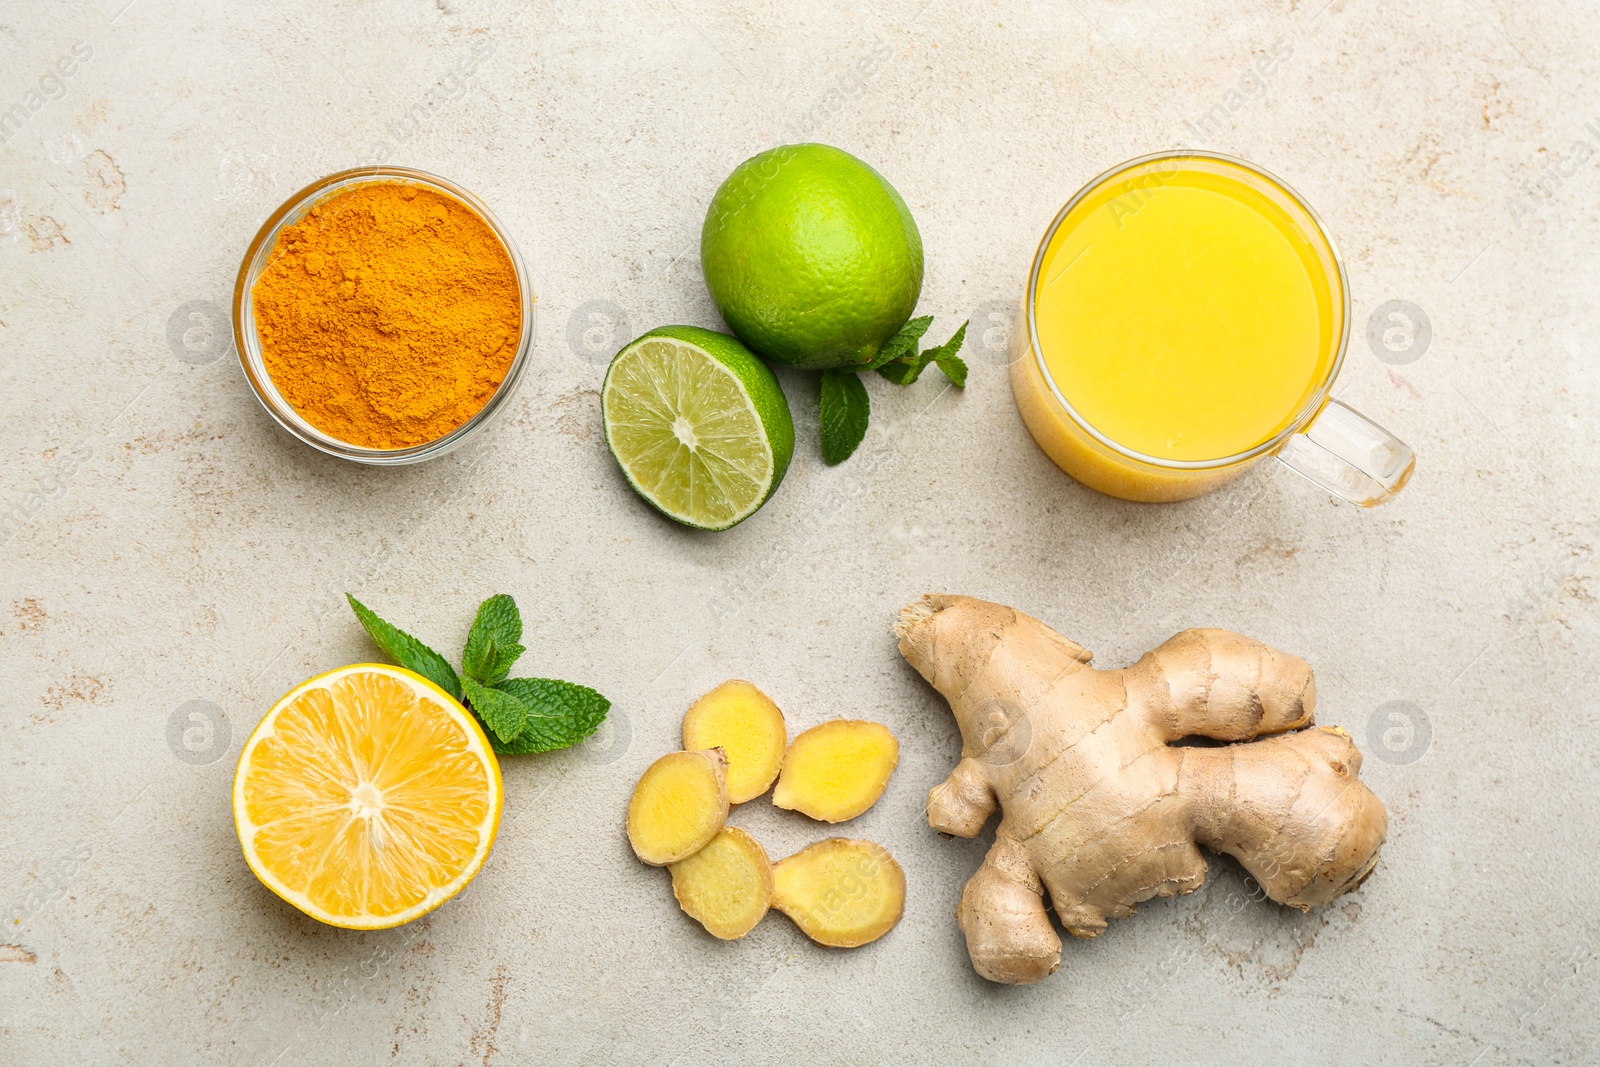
(248, 342)
(1326, 441)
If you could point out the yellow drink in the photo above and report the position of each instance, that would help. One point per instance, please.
(1183, 312)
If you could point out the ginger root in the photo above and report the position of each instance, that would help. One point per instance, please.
(837, 770)
(678, 806)
(744, 722)
(1098, 808)
(841, 893)
(727, 885)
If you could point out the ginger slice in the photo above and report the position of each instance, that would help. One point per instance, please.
(680, 803)
(837, 770)
(744, 722)
(726, 886)
(841, 893)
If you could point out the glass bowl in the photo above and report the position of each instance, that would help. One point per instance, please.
(248, 342)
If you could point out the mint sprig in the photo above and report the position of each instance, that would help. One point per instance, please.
(906, 369)
(843, 405)
(519, 715)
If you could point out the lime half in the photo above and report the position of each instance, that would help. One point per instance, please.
(698, 424)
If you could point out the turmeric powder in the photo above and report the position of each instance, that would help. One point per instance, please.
(388, 315)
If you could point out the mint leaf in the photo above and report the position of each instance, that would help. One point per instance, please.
(902, 372)
(903, 344)
(845, 410)
(492, 645)
(500, 711)
(406, 650)
(519, 715)
(954, 367)
(560, 714)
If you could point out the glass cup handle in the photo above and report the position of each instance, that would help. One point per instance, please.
(1350, 456)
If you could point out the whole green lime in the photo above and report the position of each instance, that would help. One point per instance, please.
(811, 256)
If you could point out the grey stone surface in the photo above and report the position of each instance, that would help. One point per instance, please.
(172, 560)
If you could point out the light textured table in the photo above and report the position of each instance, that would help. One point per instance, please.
(164, 543)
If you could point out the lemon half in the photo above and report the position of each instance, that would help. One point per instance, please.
(367, 797)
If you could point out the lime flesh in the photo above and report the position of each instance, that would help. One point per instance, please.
(698, 424)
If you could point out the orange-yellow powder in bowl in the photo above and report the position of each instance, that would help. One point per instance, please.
(388, 314)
